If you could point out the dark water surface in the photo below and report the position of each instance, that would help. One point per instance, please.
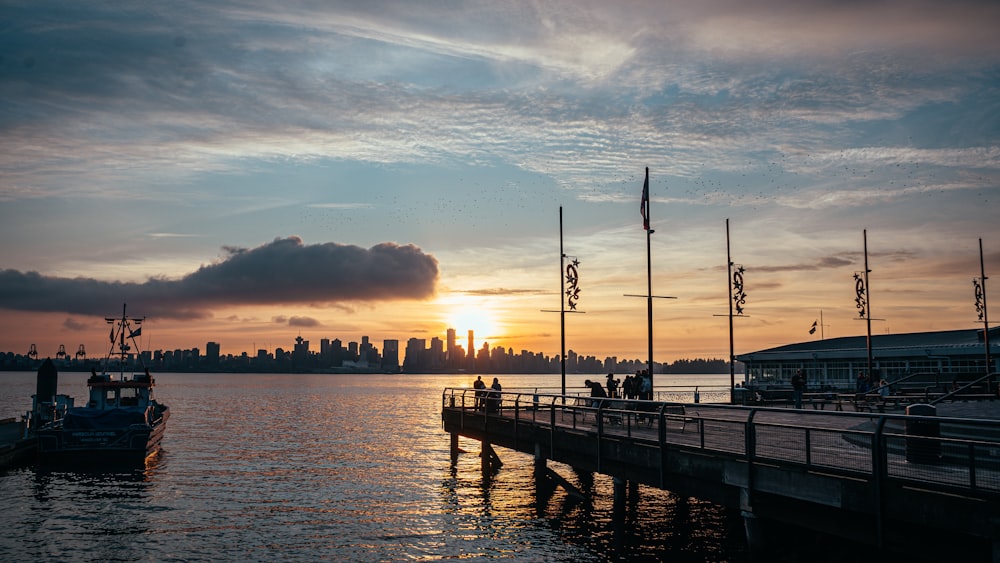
(335, 468)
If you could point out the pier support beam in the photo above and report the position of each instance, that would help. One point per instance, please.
(620, 492)
(490, 461)
(454, 448)
(753, 526)
(996, 540)
(540, 459)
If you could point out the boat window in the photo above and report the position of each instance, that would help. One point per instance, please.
(129, 397)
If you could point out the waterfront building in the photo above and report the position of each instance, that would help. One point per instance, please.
(838, 361)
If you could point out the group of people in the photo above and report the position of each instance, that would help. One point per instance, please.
(639, 386)
(487, 400)
(866, 384)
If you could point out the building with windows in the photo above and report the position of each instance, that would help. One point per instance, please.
(838, 361)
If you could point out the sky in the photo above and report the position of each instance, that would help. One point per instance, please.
(250, 172)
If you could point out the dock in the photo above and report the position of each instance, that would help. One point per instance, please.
(14, 448)
(901, 484)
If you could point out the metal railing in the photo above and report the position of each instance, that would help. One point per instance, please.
(958, 455)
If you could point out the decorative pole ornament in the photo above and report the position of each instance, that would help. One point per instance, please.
(861, 295)
(569, 278)
(977, 288)
(572, 283)
(739, 296)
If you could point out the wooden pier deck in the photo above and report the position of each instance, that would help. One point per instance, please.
(905, 484)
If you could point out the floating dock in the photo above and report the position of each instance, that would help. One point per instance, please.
(14, 447)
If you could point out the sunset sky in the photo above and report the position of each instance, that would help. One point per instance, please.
(248, 172)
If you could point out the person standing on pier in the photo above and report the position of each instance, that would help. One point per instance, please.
(479, 385)
(628, 387)
(645, 386)
(798, 386)
(612, 386)
(494, 400)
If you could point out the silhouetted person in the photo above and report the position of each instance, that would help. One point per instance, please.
(645, 386)
(494, 400)
(479, 384)
(798, 386)
(612, 386)
(628, 387)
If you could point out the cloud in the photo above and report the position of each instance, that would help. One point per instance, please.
(303, 321)
(824, 263)
(285, 271)
(75, 325)
(500, 291)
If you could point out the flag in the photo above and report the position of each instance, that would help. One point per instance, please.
(813, 329)
(135, 332)
(644, 204)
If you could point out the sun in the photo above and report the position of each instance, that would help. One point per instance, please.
(480, 321)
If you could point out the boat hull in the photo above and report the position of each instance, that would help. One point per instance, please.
(101, 446)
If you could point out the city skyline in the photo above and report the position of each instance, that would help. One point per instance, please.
(418, 356)
(242, 172)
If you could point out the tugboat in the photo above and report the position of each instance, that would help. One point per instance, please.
(122, 424)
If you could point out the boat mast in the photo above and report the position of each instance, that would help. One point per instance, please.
(120, 330)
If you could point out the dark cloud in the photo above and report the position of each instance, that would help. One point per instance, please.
(303, 321)
(284, 271)
(825, 263)
(75, 325)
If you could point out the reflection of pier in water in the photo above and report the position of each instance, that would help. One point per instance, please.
(906, 484)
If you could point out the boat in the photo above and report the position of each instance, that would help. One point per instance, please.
(122, 423)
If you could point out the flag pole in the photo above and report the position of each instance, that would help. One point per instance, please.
(986, 320)
(649, 276)
(644, 210)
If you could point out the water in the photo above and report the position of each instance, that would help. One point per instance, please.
(339, 468)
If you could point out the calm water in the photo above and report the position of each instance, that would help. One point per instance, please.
(338, 468)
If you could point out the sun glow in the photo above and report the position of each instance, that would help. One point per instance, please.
(464, 313)
(480, 321)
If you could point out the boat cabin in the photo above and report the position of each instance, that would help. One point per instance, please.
(109, 393)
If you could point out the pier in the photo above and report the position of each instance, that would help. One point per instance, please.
(897, 483)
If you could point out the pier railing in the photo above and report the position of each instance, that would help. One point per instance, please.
(951, 455)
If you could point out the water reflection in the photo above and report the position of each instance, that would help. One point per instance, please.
(87, 514)
(640, 523)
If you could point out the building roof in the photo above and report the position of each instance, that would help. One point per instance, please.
(950, 343)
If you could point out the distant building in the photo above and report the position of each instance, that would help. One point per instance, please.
(390, 356)
(838, 361)
(212, 350)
